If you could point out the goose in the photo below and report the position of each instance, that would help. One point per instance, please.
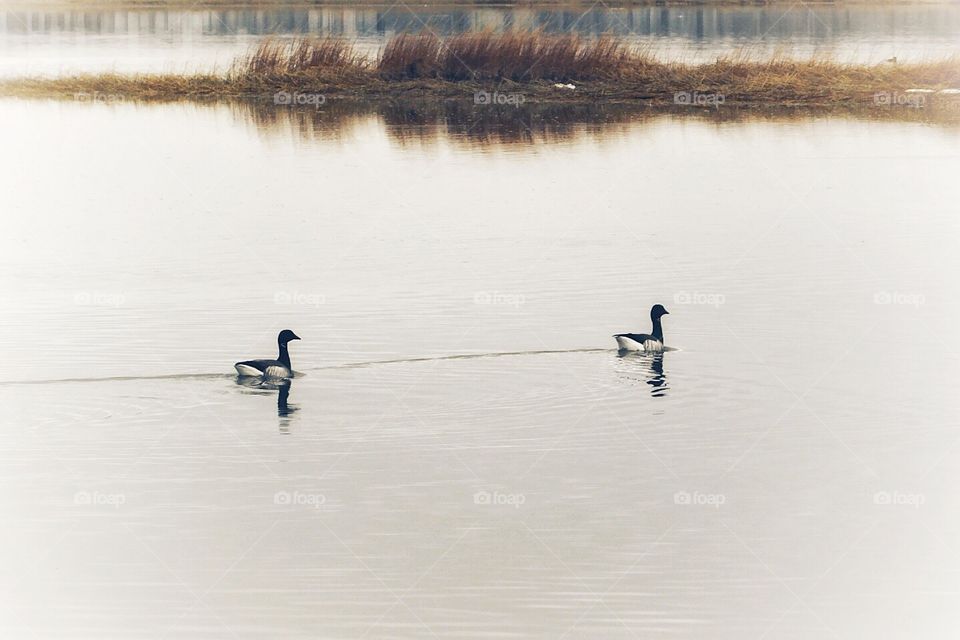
(642, 341)
(279, 368)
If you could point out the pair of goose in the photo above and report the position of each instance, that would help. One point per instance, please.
(281, 368)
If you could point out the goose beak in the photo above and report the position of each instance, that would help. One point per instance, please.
(295, 337)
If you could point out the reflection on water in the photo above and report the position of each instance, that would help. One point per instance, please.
(413, 123)
(429, 123)
(424, 122)
(636, 367)
(657, 379)
(285, 410)
(262, 386)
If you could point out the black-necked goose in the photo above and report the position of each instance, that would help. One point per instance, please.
(279, 368)
(643, 341)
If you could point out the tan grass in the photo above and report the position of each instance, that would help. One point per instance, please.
(311, 56)
(516, 56)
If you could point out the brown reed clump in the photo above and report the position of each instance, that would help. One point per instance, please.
(407, 56)
(516, 56)
(329, 57)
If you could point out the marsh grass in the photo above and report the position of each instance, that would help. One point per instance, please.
(603, 69)
(517, 56)
(306, 56)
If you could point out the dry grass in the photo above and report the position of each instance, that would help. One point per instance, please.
(519, 57)
(307, 56)
(603, 69)
(531, 57)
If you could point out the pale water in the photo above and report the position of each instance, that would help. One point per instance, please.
(465, 454)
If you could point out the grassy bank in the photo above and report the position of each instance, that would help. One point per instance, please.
(518, 67)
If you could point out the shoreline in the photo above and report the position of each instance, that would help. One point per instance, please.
(461, 113)
(160, 88)
(515, 69)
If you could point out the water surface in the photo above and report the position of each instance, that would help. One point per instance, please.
(465, 454)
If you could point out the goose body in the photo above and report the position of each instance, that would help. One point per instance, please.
(649, 342)
(266, 368)
(638, 342)
(279, 368)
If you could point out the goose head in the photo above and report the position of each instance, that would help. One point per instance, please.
(286, 336)
(657, 312)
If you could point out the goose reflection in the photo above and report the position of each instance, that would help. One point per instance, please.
(649, 366)
(260, 386)
(285, 410)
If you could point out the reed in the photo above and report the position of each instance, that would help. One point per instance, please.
(517, 56)
(304, 56)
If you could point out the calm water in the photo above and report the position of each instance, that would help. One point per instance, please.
(466, 455)
(54, 40)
